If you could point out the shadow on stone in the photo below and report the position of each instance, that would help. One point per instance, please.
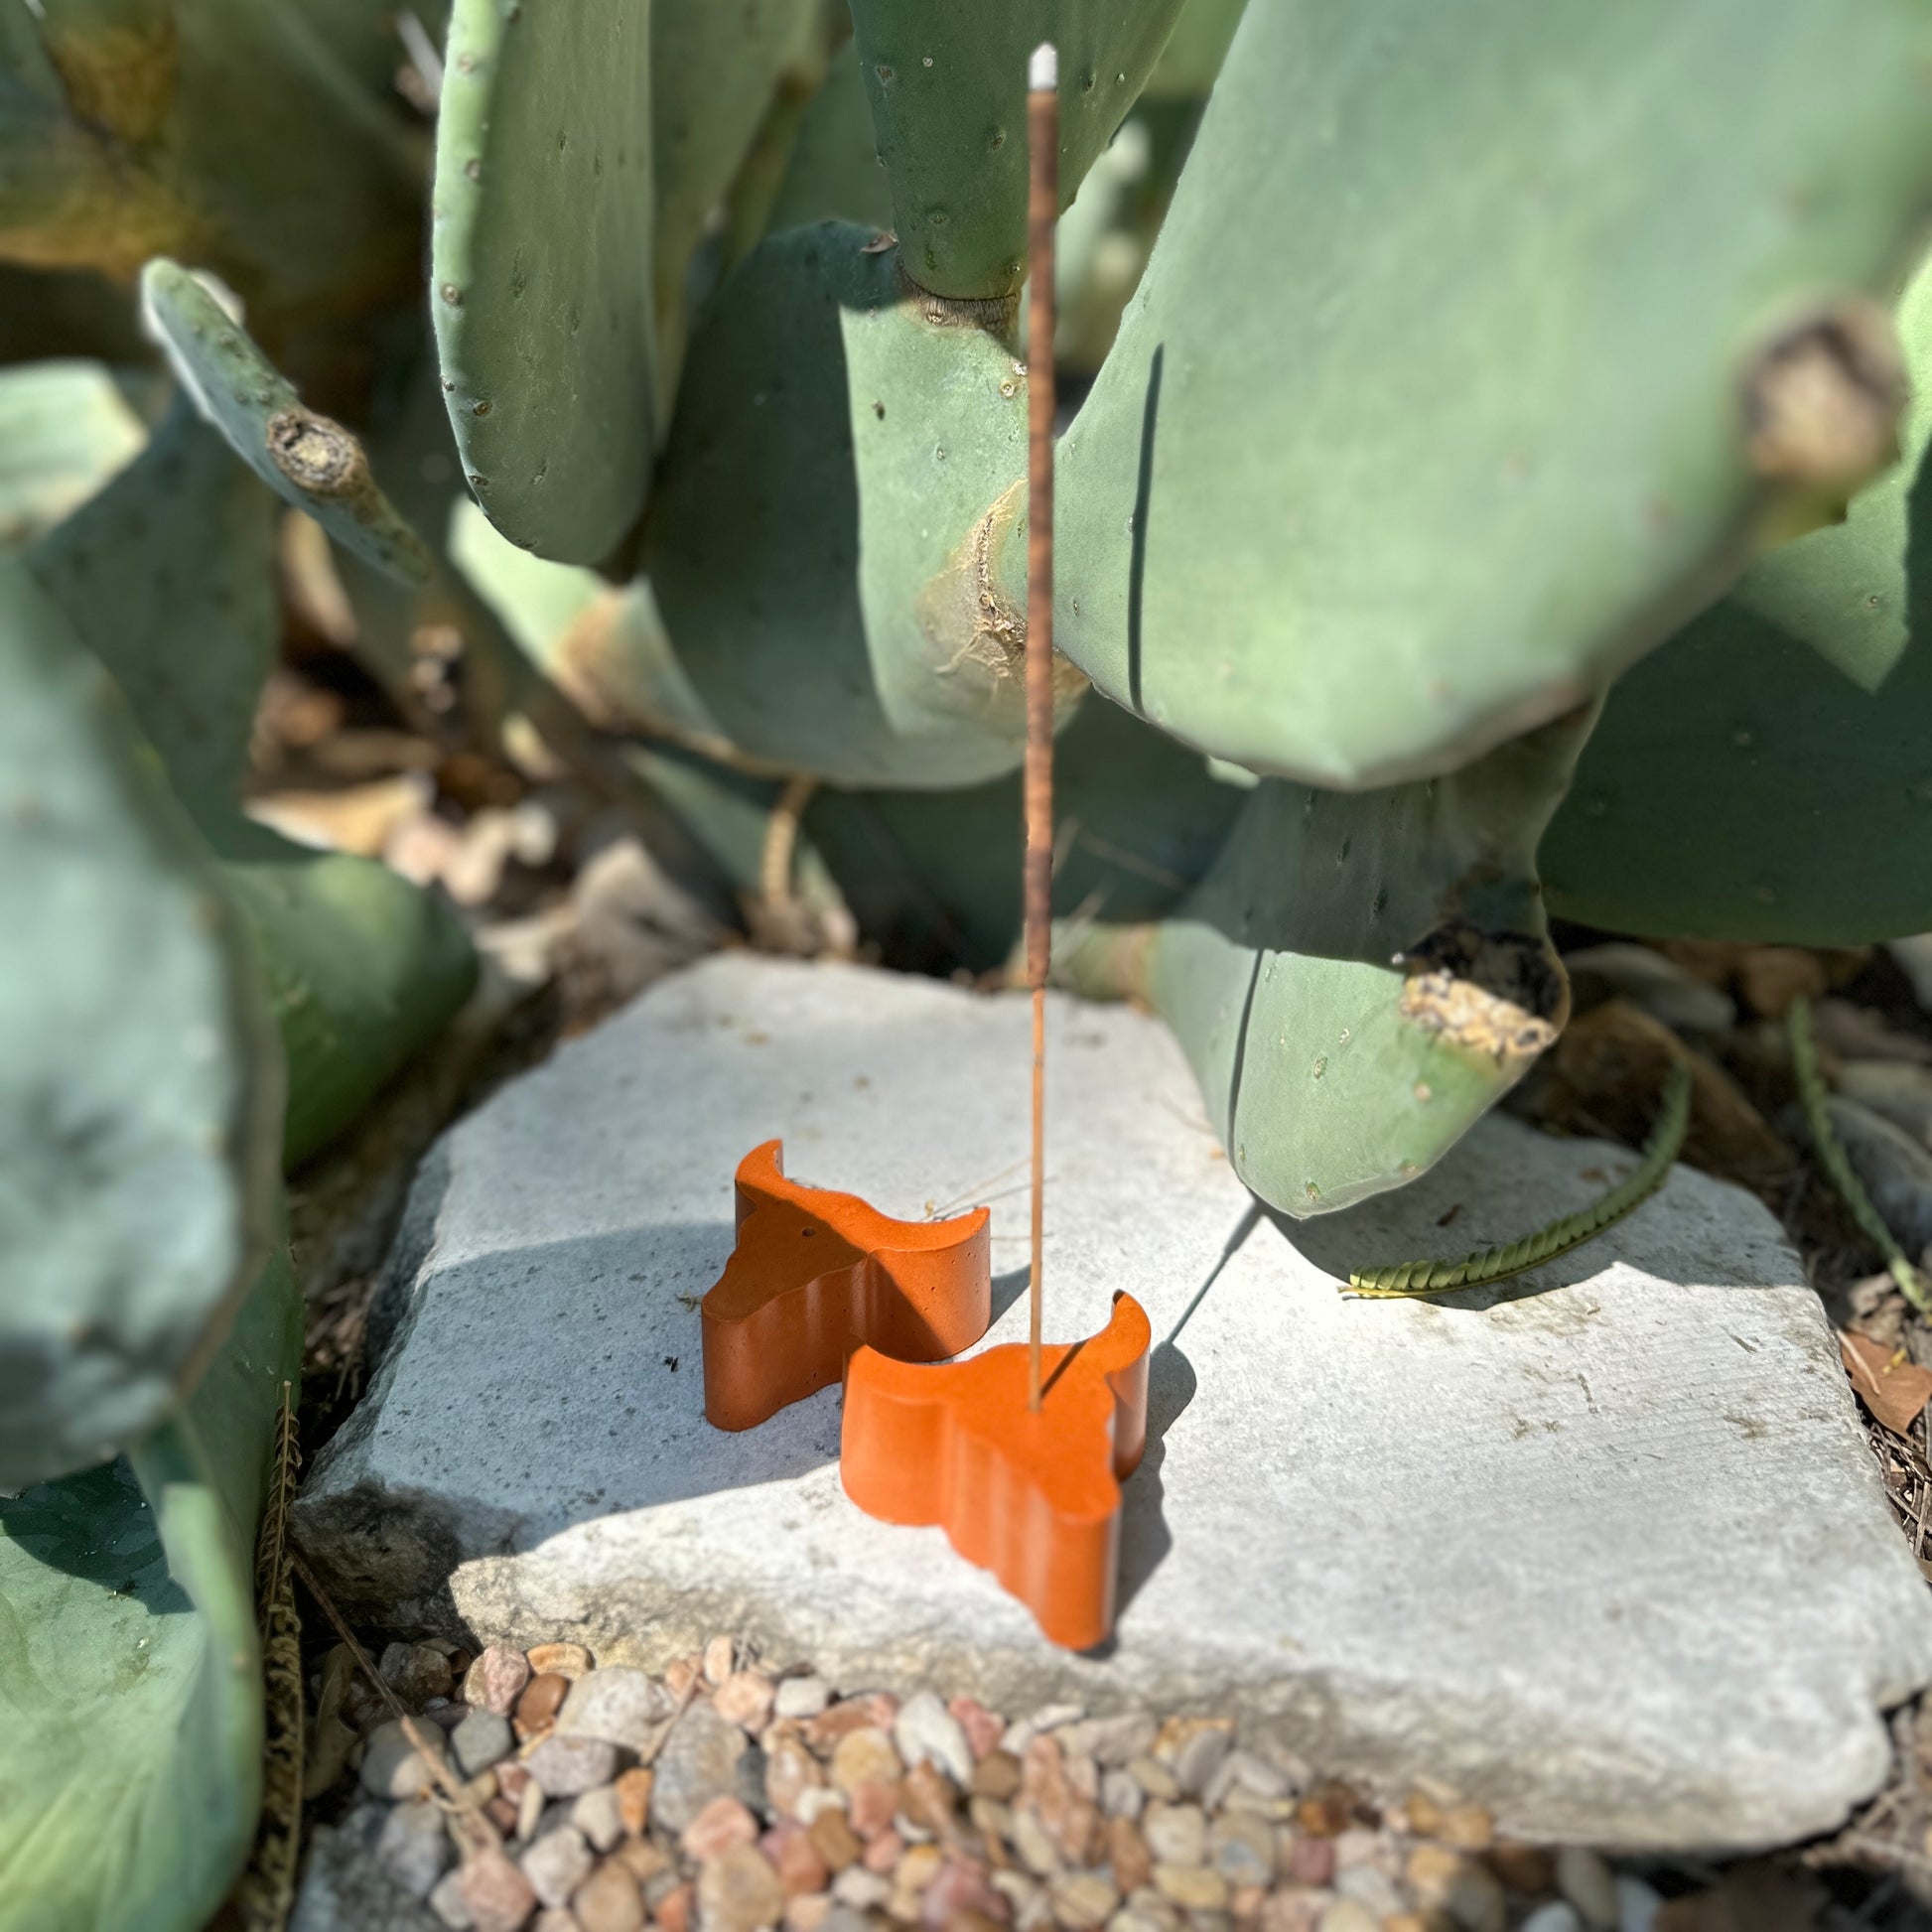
(1145, 1539)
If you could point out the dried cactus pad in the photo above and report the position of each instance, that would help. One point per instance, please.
(306, 460)
(141, 1089)
(541, 266)
(1471, 353)
(948, 88)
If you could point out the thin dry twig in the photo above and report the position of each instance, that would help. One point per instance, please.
(477, 1828)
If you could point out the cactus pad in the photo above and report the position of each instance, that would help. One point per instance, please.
(1767, 774)
(839, 517)
(65, 430)
(948, 88)
(541, 266)
(1468, 357)
(305, 458)
(1361, 975)
(143, 1083)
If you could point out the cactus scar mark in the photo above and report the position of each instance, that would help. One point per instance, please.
(1502, 995)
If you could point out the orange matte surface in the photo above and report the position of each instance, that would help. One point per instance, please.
(1032, 1496)
(816, 1273)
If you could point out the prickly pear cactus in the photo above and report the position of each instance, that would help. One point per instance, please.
(1767, 774)
(948, 100)
(1506, 361)
(540, 267)
(168, 577)
(833, 548)
(1361, 975)
(141, 1093)
(65, 430)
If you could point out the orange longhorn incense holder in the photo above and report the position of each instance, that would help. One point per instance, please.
(1033, 1496)
(815, 1275)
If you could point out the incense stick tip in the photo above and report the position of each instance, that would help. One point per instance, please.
(1044, 68)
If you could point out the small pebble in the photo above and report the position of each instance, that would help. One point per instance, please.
(566, 1767)
(872, 1806)
(1347, 1916)
(1193, 1748)
(1195, 1887)
(882, 1853)
(1154, 1778)
(1128, 1854)
(1556, 1916)
(720, 1824)
(599, 1817)
(529, 1811)
(1174, 1834)
(795, 1858)
(811, 1912)
(481, 1740)
(536, 1710)
(996, 1776)
(632, 1791)
(1586, 1882)
(416, 1671)
(925, 1732)
(608, 1900)
(1242, 1850)
(745, 1699)
(413, 1847)
(392, 1768)
(498, 1897)
(1369, 1886)
(496, 1679)
(1637, 1905)
(620, 1707)
(699, 1762)
(1120, 1796)
(1312, 1860)
(801, 1697)
(834, 1840)
(557, 1863)
(790, 1770)
(445, 1901)
(983, 1728)
(569, 1660)
(718, 1656)
(1441, 1879)
(863, 1890)
(555, 1918)
(863, 1757)
(672, 1912)
(738, 1891)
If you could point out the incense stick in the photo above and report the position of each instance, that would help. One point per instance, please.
(1043, 211)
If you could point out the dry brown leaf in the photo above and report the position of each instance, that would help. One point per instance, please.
(1893, 1388)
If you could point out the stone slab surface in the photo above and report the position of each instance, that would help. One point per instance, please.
(1612, 1558)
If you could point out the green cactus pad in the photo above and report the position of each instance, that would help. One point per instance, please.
(167, 576)
(1468, 357)
(308, 461)
(835, 173)
(948, 91)
(131, 1673)
(836, 520)
(934, 876)
(364, 969)
(64, 429)
(713, 71)
(142, 1083)
(541, 266)
(1361, 975)
(1767, 774)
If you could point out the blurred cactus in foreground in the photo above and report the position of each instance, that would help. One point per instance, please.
(1493, 490)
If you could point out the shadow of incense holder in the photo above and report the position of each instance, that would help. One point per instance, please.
(1032, 1496)
(815, 1275)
